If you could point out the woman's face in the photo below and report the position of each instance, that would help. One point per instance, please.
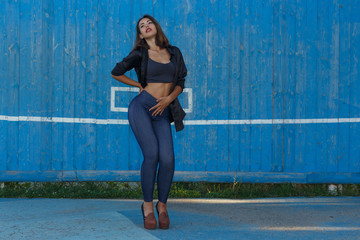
(147, 28)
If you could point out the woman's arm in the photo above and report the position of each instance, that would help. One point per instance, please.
(128, 63)
(126, 80)
(174, 94)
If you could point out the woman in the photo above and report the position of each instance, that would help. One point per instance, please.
(161, 72)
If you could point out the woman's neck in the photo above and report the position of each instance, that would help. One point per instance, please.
(152, 45)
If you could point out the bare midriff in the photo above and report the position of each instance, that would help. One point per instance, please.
(158, 90)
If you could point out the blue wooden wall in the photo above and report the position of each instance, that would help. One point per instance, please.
(272, 92)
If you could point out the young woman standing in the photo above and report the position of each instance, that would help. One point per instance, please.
(161, 72)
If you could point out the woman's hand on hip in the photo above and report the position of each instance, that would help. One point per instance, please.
(140, 89)
(163, 102)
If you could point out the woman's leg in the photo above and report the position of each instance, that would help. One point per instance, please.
(165, 174)
(140, 123)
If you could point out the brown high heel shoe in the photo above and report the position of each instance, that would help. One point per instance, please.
(150, 220)
(164, 220)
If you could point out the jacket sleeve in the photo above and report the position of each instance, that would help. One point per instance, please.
(128, 62)
(182, 73)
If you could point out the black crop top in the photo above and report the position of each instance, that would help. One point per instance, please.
(160, 72)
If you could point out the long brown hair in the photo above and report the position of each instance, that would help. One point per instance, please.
(160, 38)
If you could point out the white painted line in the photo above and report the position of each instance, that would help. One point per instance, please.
(189, 92)
(187, 122)
(62, 120)
(310, 228)
(271, 121)
(113, 108)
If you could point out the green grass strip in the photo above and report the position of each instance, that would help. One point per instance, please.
(132, 190)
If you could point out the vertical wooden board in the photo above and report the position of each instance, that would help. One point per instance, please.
(261, 85)
(3, 144)
(122, 42)
(69, 85)
(354, 140)
(333, 91)
(193, 148)
(195, 143)
(106, 35)
(279, 70)
(265, 83)
(138, 10)
(234, 85)
(310, 102)
(34, 107)
(58, 71)
(178, 34)
(46, 82)
(91, 63)
(222, 89)
(344, 84)
(79, 84)
(12, 80)
(255, 33)
(24, 39)
(245, 88)
(211, 94)
(289, 83)
(300, 88)
(30, 98)
(4, 58)
(323, 71)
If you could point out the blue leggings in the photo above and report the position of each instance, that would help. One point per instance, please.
(155, 139)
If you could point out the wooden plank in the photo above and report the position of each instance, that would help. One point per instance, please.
(280, 61)
(13, 81)
(265, 83)
(30, 88)
(301, 80)
(122, 29)
(255, 69)
(4, 89)
(261, 38)
(178, 31)
(189, 176)
(211, 95)
(234, 86)
(328, 92)
(135, 155)
(80, 161)
(344, 84)
(69, 147)
(58, 74)
(222, 71)
(311, 142)
(354, 140)
(289, 82)
(333, 90)
(245, 88)
(46, 82)
(195, 136)
(322, 76)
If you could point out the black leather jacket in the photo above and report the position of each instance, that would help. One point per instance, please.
(138, 59)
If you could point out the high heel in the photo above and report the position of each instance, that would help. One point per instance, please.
(164, 221)
(150, 220)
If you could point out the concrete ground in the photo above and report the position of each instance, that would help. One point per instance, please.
(270, 218)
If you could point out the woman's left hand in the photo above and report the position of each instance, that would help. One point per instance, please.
(163, 102)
